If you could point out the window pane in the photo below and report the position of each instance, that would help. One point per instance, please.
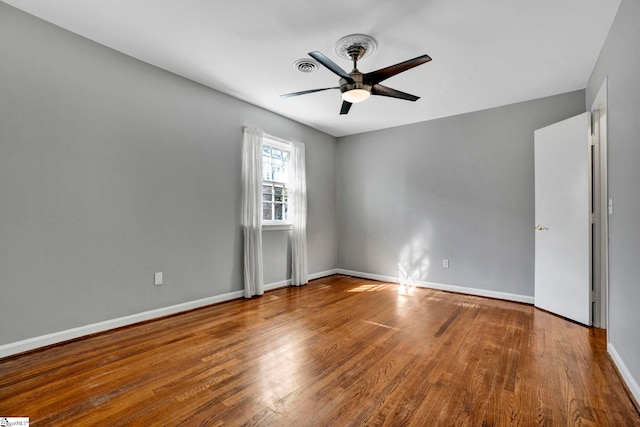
(279, 194)
(267, 211)
(267, 193)
(278, 212)
(275, 170)
(266, 170)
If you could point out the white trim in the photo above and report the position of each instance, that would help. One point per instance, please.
(284, 283)
(57, 337)
(600, 103)
(371, 276)
(274, 226)
(278, 142)
(323, 274)
(443, 287)
(69, 334)
(276, 285)
(631, 383)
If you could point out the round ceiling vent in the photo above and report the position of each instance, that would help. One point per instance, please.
(365, 45)
(306, 65)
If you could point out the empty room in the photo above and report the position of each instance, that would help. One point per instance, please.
(362, 213)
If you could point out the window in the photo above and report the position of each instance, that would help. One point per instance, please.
(275, 179)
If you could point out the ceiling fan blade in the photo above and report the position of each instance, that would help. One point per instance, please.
(335, 68)
(304, 92)
(345, 107)
(387, 91)
(377, 76)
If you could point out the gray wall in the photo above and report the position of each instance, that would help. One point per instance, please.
(460, 188)
(620, 62)
(111, 170)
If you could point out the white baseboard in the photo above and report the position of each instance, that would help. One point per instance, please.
(69, 334)
(276, 285)
(631, 383)
(283, 283)
(323, 274)
(450, 288)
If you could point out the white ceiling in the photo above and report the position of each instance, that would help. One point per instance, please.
(485, 53)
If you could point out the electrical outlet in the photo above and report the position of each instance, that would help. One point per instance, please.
(158, 279)
(445, 263)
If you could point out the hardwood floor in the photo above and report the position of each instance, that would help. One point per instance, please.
(340, 351)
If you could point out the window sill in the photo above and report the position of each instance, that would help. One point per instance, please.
(276, 227)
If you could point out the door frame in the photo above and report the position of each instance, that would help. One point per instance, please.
(602, 209)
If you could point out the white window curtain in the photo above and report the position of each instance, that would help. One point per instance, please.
(252, 211)
(298, 200)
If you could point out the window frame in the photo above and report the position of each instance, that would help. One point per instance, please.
(278, 224)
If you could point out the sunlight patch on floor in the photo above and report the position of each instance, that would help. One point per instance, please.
(468, 305)
(370, 288)
(380, 324)
(407, 290)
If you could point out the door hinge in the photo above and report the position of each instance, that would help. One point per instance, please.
(594, 296)
(594, 218)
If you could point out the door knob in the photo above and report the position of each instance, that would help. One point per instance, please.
(541, 228)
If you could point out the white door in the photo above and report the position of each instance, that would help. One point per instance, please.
(563, 218)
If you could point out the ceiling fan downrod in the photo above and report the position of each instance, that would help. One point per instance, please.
(356, 52)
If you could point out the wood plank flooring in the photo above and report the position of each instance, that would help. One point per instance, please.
(340, 351)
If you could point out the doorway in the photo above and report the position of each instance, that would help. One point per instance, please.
(602, 207)
(572, 212)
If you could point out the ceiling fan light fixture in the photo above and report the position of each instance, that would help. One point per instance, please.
(356, 95)
(356, 90)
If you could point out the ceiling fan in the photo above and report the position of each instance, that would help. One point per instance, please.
(357, 86)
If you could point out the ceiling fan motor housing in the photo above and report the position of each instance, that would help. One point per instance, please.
(358, 83)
